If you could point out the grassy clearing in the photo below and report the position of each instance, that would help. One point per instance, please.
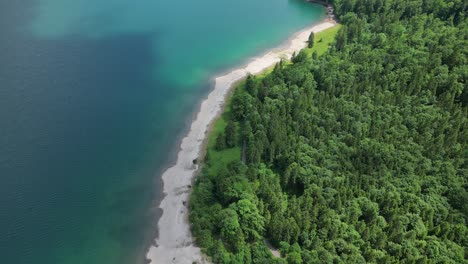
(323, 40)
(220, 159)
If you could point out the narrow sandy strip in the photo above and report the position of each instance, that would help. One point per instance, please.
(175, 241)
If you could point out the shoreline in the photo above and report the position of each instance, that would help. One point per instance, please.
(175, 243)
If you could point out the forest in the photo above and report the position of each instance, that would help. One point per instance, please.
(356, 155)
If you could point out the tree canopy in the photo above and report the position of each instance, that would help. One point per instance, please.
(356, 156)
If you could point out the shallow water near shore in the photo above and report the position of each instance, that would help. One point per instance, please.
(93, 96)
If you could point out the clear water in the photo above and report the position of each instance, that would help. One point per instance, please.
(93, 98)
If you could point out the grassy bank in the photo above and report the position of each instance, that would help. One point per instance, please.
(323, 40)
(218, 159)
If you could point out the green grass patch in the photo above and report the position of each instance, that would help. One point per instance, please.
(323, 40)
(220, 159)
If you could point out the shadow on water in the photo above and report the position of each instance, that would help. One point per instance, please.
(300, 7)
(77, 132)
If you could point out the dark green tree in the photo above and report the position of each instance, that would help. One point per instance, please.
(231, 134)
(220, 142)
(310, 41)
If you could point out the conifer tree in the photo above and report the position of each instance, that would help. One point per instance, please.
(310, 41)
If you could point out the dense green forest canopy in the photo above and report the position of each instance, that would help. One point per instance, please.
(356, 156)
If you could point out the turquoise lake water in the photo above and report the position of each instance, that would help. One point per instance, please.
(94, 97)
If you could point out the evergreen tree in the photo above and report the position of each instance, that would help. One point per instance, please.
(220, 142)
(231, 134)
(310, 41)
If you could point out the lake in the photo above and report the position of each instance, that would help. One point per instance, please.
(94, 99)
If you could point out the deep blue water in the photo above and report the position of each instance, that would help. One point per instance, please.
(94, 96)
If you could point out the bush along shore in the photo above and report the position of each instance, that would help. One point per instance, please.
(354, 153)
